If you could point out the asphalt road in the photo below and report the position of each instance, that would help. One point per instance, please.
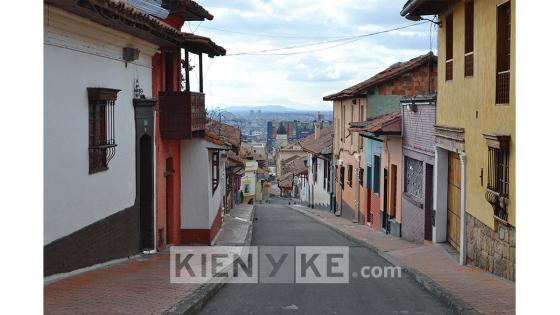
(277, 225)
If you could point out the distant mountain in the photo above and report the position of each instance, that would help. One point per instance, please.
(264, 109)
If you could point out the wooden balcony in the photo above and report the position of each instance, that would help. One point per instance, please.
(182, 115)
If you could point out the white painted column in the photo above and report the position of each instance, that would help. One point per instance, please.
(439, 232)
(463, 244)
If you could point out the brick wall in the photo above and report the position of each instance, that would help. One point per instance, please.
(418, 127)
(412, 83)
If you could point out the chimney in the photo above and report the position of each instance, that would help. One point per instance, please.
(318, 126)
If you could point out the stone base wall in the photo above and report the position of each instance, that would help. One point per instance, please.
(491, 250)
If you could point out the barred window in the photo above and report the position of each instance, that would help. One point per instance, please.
(497, 189)
(503, 51)
(413, 177)
(101, 128)
(215, 171)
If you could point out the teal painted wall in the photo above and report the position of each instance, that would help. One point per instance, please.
(382, 104)
(371, 147)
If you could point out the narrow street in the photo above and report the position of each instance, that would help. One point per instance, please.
(278, 225)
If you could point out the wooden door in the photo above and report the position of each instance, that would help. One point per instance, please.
(428, 202)
(385, 196)
(454, 200)
(393, 200)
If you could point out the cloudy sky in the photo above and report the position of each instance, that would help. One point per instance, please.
(300, 77)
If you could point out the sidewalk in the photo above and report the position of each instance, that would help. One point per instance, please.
(141, 285)
(466, 289)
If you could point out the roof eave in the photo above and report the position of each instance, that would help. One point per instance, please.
(413, 9)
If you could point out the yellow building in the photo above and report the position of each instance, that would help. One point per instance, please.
(475, 129)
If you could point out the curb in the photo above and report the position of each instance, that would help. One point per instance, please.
(196, 301)
(457, 305)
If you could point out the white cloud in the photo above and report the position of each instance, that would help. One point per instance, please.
(302, 80)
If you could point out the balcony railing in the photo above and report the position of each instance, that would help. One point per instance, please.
(502, 87)
(182, 115)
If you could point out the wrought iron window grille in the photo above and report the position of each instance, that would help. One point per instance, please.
(102, 144)
(497, 189)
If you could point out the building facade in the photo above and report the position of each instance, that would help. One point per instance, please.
(475, 130)
(381, 165)
(346, 151)
(418, 142)
(316, 191)
(105, 199)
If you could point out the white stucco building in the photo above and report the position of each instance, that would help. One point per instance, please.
(316, 188)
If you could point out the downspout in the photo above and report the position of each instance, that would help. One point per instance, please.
(463, 239)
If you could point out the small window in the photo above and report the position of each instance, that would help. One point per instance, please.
(376, 173)
(342, 177)
(361, 179)
(413, 177)
(503, 51)
(101, 125)
(469, 38)
(449, 47)
(350, 171)
(215, 171)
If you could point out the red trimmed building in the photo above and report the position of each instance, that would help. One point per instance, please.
(180, 117)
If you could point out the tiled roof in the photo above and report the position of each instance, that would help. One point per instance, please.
(234, 157)
(286, 183)
(322, 145)
(223, 134)
(196, 9)
(288, 160)
(382, 124)
(122, 16)
(296, 166)
(388, 74)
(291, 147)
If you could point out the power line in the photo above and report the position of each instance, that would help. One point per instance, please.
(274, 36)
(346, 40)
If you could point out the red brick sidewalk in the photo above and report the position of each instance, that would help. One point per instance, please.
(483, 291)
(139, 286)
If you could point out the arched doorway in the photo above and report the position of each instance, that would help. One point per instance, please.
(146, 194)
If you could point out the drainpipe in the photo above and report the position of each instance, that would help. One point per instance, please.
(463, 245)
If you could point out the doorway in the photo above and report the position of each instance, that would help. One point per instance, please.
(146, 196)
(428, 202)
(169, 200)
(369, 214)
(454, 199)
(385, 218)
